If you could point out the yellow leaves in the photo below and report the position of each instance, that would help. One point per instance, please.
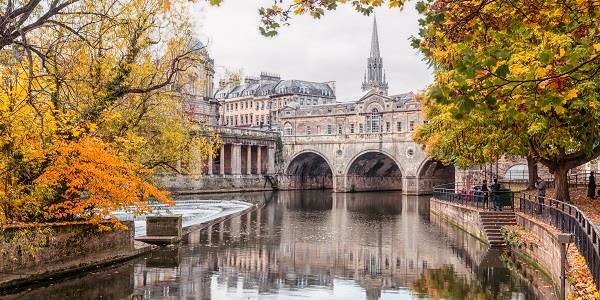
(571, 94)
(518, 69)
(597, 47)
(540, 72)
(561, 52)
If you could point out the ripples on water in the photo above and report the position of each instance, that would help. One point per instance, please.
(313, 245)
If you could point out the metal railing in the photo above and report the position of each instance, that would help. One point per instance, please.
(475, 197)
(568, 219)
(563, 216)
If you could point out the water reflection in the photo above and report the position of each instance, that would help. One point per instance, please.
(319, 245)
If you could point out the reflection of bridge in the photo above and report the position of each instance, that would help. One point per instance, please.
(356, 146)
(265, 250)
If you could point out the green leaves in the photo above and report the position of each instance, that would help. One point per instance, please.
(502, 70)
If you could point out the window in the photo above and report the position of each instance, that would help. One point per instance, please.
(329, 129)
(360, 128)
(374, 121)
(411, 126)
(352, 128)
(399, 126)
(387, 126)
(308, 130)
(340, 129)
(318, 129)
(287, 129)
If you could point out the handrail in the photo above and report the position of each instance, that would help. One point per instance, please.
(563, 216)
(567, 218)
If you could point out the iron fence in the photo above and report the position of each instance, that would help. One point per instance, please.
(563, 216)
(568, 219)
(475, 197)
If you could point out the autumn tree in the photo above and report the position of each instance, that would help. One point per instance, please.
(530, 67)
(511, 77)
(91, 101)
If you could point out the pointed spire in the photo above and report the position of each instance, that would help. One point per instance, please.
(374, 39)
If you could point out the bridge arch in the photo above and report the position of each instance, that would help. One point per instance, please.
(372, 170)
(432, 173)
(309, 169)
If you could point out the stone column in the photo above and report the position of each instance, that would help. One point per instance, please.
(271, 161)
(222, 164)
(259, 160)
(236, 159)
(249, 160)
(210, 165)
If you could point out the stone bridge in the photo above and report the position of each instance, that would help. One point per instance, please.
(360, 162)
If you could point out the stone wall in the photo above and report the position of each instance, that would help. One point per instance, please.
(545, 250)
(464, 217)
(30, 253)
(214, 183)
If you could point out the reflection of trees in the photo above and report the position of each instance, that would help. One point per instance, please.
(444, 283)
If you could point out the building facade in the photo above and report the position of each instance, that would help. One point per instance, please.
(196, 89)
(257, 102)
(359, 145)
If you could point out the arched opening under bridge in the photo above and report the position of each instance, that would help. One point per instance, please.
(373, 171)
(309, 170)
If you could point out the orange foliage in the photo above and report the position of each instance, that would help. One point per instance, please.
(86, 180)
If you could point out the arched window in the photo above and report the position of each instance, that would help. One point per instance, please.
(517, 172)
(287, 129)
(374, 121)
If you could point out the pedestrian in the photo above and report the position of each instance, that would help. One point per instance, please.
(496, 194)
(485, 190)
(540, 185)
(591, 192)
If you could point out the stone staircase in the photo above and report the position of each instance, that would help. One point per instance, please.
(492, 221)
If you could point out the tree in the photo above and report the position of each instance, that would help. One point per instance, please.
(91, 102)
(531, 67)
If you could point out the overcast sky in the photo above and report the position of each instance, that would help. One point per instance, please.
(334, 48)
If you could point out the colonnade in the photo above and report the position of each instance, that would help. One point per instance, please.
(242, 159)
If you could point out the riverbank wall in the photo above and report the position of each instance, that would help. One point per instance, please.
(541, 250)
(35, 253)
(208, 184)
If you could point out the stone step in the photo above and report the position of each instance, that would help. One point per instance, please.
(500, 224)
(497, 218)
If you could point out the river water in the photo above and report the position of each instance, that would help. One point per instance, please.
(314, 245)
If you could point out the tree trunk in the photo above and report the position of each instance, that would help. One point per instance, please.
(561, 184)
(532, 170)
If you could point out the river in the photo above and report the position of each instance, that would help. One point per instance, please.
(314, 245)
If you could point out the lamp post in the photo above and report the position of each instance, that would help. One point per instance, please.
(563, 239)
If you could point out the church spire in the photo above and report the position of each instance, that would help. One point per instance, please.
(375, 76)
(375, 40)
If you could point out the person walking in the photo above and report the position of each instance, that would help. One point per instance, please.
(495, 194)
(485, 191)
(591, 192)
(540, 185)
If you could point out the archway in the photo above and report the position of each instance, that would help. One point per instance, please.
(373, 171)
(517, 172)
(434, 173)
(309, 170)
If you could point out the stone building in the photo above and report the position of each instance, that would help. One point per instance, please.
(363, 143)
(196, 88)
(257, 102)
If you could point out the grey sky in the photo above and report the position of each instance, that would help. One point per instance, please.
(335, 47)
